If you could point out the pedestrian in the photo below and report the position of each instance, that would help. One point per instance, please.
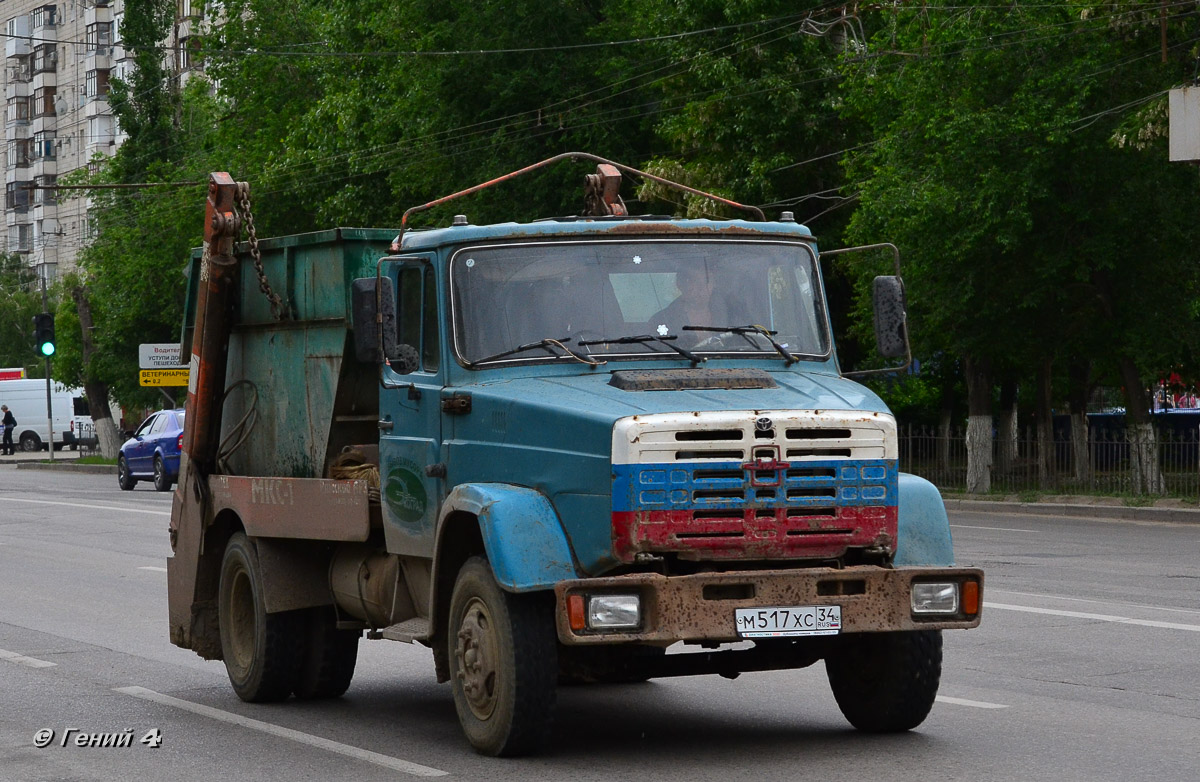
(9, 422)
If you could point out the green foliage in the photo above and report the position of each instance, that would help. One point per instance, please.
(20, 300)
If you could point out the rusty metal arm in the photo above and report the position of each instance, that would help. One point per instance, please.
(570, 156)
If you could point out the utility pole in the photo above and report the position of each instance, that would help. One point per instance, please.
(49, 412)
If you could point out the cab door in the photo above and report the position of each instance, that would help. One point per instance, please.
(410, 438)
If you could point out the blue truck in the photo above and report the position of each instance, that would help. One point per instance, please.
(598, 448)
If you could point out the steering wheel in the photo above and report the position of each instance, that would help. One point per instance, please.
(583, 335)
(714, 342)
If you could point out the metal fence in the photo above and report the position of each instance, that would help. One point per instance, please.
(942, 460)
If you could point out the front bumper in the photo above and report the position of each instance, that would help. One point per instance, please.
(700, 608)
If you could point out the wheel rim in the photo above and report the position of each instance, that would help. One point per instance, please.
(476, 653)
(158, 471)
(122, 470)
(240, 614)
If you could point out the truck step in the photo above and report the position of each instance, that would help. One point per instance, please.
(407, 631)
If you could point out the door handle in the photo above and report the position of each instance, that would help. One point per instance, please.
(386, 424)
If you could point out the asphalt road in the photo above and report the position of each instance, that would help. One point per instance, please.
(1085, 668)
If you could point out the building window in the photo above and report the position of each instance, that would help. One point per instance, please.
(20, 238)
(45, 193)
(43, 16)
(188, 55)
(18, 153)
(43, 101)
(16, 196)
(18, 109)
(99, 37)
(96, 84)
(189, 9)
(43, 145)
(45, 57)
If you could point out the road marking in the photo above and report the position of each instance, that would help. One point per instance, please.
(155, 569)
(386, 761)
(89, 507)
(1000, 529)
(1097, 617)
(1098, 602)
(28, 662)
(965, 702)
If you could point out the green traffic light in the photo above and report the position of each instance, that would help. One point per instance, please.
(47, 348)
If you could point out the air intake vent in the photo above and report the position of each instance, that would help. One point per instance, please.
(690, 379)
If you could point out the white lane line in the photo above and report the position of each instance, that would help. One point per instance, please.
(28, 662)
(965, 702)
(998, 529)
(87, 506)
(1096, 617)
(992, 591)
(155, 569)
(386, 761)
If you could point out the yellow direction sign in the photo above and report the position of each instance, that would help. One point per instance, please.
(164, 377)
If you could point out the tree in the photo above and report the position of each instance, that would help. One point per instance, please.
(20, 300)
(994, 168)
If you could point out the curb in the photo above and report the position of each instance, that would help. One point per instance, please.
(1119, 512)
(94, 469)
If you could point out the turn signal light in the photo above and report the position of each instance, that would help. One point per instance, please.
(576, 613)
(970, 597)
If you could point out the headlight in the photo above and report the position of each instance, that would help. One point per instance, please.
(935, 598)
(614, 612)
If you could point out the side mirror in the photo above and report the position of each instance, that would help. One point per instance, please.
(370, 345)
(891, 335)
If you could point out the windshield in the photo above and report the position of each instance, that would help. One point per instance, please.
(697, 295)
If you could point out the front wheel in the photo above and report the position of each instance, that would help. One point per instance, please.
(503, 663)
(125, 478)
(262, 651)
(886, 682)
(31, 442)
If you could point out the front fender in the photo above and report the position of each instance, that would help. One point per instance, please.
(923, 528)
(524, 539)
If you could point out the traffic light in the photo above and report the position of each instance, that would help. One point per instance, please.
(43, 330)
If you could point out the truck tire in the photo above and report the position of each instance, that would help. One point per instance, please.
(503, 663)
(262, 651)
(125, 479)
(329, 656)
(886, 682)
(162, 481)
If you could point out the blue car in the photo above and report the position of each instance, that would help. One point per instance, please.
(152, 452)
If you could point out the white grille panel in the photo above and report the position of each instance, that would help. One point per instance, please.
(733, 436)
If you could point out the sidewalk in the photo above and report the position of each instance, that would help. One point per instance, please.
(63, 460)
(1164, 509)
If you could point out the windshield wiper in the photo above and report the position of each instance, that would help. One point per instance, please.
(547, 345)
(643, 338)
(751, 329)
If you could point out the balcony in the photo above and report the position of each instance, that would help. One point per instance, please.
(18, 71)
(98, 58)
(16, 47)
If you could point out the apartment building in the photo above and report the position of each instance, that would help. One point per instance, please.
(60, 59)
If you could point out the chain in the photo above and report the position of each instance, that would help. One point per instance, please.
(243, 196)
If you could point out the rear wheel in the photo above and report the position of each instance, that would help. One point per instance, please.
(329, 657)
(262, 651)
(503, 663)
(162, 481)
(125, 479)
(886, 682)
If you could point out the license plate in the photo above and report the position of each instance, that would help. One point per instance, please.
(780, 622)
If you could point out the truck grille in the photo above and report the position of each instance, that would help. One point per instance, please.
(754, 484)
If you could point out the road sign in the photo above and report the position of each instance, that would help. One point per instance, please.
(175, 376)
(159, 355)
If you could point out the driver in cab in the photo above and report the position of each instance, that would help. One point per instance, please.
(694, 306)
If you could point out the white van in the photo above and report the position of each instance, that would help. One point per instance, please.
(27, 401)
